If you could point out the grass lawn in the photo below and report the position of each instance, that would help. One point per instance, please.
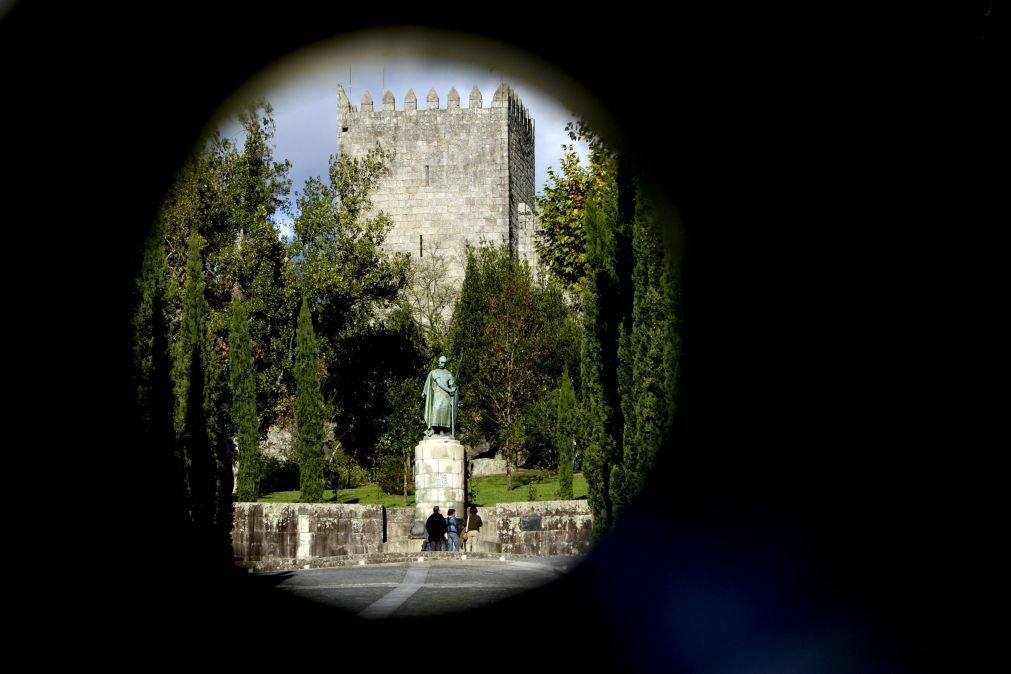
(492, 489)
(367, 495)
(488, 491)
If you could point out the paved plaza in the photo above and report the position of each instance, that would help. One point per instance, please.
(419, 589)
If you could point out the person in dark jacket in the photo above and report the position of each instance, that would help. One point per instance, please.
(436, 528)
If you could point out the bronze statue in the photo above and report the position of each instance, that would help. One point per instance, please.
(439, 395)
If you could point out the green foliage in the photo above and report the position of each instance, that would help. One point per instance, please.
(487, 491)
(215, 234)
(371, 325)
(391, 476)
(352, 282)
(538, 430)
(338, 251)
(514, 345)
(630, 347)
(150, 322)
(229, 194)
(382, 414)
(190, 344)
(651, 353)
(365, 495)
(403, 427)
(606, 308)
(511, 338)
(562, 241)
(566, 434)
(485, 270)
(194, 444)
(276, 475)
(340, 470)
(243, 382)
(308, 409)
(596, 412)
(153, 372)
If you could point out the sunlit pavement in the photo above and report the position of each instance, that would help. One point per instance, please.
(424, 588)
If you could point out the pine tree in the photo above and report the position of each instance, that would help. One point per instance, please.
(243, 381)
(566, 433)
(308, 409)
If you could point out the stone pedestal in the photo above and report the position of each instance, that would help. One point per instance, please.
(439, 464)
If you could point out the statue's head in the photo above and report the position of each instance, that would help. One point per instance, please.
(442, 361)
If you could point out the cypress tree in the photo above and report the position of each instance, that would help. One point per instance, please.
(308, 409)
(651, 354)
(153, 376)
(565, 434)
(243, 383)
(190, 382)
(488, 269)
(148, 317)
(595, 412)
(606, 324)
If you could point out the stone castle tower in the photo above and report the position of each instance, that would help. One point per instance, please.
(459, 174)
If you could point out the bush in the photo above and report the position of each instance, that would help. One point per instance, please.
(391, 476)
(343, 472)
(278, 476)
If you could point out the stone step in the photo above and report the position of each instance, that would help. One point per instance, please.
(413, 545)
(286, 564)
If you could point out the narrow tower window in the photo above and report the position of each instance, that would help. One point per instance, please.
(426, 175)
(421, 244)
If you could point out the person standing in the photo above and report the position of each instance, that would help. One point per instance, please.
(436, 528)
(452, 526)
(472, 528)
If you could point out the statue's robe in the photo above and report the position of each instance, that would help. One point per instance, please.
(439, 403)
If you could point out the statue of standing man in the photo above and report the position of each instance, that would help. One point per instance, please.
(439, 395)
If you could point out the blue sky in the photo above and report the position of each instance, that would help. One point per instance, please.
(305, 104)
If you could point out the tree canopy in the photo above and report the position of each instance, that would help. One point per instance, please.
(236, 330)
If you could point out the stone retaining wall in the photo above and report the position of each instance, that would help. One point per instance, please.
(485, 467)
(543, 527)
(398, 523)
(279, 535)
(303, 531)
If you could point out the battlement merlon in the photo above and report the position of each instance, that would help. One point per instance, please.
(461, 174)
(504, 97)
(344, 109)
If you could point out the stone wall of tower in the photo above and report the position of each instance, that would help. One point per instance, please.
(459, 174)
(521, 172)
